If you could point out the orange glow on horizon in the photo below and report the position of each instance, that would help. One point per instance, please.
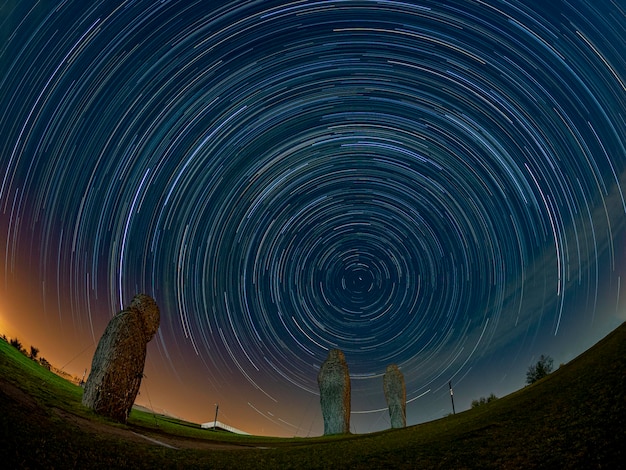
(187, 397)
(7, 328)
(4, 326)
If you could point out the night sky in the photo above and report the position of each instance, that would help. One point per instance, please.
(438, 185)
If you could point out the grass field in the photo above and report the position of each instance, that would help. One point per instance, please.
(574, 418)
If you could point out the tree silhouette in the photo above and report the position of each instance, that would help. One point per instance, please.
(539, 370)
(33, 353)
(16, 343)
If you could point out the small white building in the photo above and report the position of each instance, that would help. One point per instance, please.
(222, 427)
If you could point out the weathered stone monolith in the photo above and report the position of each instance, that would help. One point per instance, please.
(334, 383)
(117, 366)
(395, 393)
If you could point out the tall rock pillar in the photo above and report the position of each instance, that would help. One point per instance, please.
(334, 383)
(395, 394)
(117, 366)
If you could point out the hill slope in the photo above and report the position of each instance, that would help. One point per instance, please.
(574, 418)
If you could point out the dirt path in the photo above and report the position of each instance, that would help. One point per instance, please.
(136, 434)
(29, 405)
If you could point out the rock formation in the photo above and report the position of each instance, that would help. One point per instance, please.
(334, 382)
(395, 393)
(117, 366)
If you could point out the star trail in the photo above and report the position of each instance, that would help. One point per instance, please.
(438, 185)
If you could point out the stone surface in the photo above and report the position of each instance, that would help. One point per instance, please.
(334, 383)
(117, 366)
(395, 394)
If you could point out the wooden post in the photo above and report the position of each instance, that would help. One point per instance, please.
(451, 396)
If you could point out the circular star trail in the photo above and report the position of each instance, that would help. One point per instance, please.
(430, 184)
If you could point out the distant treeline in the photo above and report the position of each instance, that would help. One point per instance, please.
(33, 354)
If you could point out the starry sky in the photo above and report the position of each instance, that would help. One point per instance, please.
(437, 185)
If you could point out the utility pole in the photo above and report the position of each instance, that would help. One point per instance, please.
(451, 396)
(217, 407)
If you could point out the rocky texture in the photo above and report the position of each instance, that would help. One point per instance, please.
(395, 394)
(334, 382)
(117, 366)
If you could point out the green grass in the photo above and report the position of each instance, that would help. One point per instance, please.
(574, 418)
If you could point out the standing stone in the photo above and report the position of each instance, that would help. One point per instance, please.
(395, 393)
(117, 366)
(334, 382)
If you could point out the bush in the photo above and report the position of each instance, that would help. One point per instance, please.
(44, 363)
(483, 401)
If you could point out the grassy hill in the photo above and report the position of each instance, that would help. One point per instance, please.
(574, 418)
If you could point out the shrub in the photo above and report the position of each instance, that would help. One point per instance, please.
(483, 401)
(44, 363)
